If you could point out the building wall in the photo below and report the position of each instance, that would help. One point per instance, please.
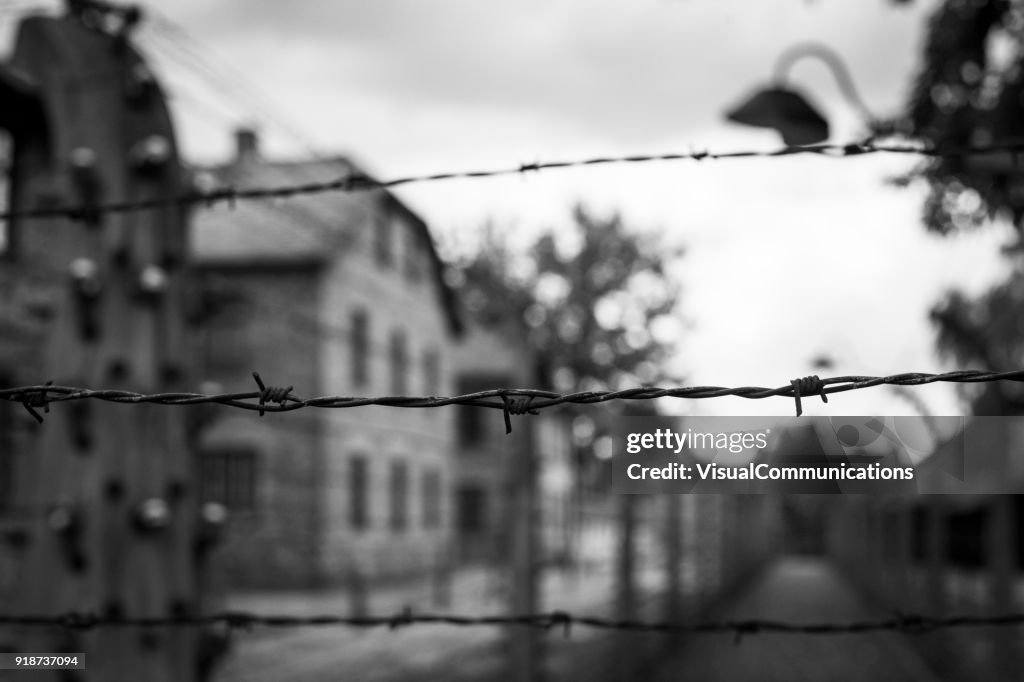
(556, 482)
(500, 358)
(386, 275)
(266, 323)
(488, 358)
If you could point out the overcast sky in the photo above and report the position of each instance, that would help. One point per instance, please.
(787, 258)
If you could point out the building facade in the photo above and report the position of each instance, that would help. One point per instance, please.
(489, 462)
(333, 293)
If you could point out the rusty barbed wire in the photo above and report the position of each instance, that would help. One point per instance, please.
(909, 623)
(509, 400)
(359, 181)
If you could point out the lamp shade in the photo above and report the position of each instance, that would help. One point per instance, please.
(786, 111)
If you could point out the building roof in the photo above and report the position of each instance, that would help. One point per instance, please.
(312, 228)
(306, 228)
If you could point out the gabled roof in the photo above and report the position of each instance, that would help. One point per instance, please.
(305, 228)
(310, 228)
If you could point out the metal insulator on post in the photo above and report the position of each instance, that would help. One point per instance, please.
(151, 154)
(114, 143)
(152, 282)
(152, 515)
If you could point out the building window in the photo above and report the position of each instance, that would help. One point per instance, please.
(360, 331)
(472, 428)
(432, 373)
(229, 319)
(228, 475)
(399, 363)
(382, 238)
(431, 499)
(472, 510)
(399, 496)
(358, 492)
(413, 255)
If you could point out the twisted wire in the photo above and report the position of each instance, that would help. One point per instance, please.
(910, 623)
(509, 400)
(358, 181)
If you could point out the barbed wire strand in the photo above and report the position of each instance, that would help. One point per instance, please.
(509, 400)
(911, 623)
(358, 181)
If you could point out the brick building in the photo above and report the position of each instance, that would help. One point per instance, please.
(339, 293)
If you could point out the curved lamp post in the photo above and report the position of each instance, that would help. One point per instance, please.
(784, 109)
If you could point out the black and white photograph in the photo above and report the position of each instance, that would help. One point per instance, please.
(534, 341)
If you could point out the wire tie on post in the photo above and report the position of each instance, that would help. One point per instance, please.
(560, 618)
(515, 405)
(743, 629)
(404, 617)
(901, 619)
(911, 623)
(79, 621)
(271, 394)
(90, 215)
(235, 621)
(526, 167)
(811, 385)
(37, 399)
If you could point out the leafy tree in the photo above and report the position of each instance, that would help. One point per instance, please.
(969, 91)
(599, 315)
(983, 330)
(986, 331)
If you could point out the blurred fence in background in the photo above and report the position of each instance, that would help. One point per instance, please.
(125, 493)
(932, 555)
(633, 558)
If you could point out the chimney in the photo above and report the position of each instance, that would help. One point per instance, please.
(247, 145)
